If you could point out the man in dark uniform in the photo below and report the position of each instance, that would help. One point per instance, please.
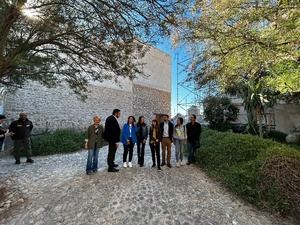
(20, 133)
(112, 134)
(2, 131)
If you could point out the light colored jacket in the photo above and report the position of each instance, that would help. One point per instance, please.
(180, 133)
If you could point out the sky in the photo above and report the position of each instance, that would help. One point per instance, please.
(178, 54)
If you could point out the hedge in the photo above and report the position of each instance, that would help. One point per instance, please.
(60, 141)
(263, 172)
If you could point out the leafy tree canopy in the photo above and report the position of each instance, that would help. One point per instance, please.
(76, 41)
(238, 40)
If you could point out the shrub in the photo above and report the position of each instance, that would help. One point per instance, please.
(277, 136)
(263, 172)
(219, 112)
(60, 141)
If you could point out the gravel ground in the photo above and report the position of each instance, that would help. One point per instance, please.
(55, 190)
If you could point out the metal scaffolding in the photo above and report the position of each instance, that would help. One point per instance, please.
(189, 95)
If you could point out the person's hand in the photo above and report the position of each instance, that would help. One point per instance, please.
(9, 134)
(157, 140)
(117, 145)
(128, 142)
(144, 141)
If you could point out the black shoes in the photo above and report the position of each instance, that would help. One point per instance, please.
(189, 163)
(29, 160)
(116, 165)
(163, 163)
(153, 165)
(159, 168)
(113, 170)
(169, 165)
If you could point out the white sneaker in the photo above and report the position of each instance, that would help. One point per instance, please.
(125, 164)
(130, 164)
(181, 163)
(178, 164)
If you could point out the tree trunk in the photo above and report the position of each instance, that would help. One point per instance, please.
(252, 120)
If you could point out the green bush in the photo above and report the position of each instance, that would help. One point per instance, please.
(219, 112)
(60, 141)
(277, 136)
(263, 172)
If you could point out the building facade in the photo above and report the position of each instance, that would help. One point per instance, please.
(59, 108)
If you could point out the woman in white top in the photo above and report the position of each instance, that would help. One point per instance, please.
(179, 140)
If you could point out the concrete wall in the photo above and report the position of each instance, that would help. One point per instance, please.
(287, 116)
(56, 108)
(284, 116)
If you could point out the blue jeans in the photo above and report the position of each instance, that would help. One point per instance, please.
(92, 161)
(179, 146)
(192, 150)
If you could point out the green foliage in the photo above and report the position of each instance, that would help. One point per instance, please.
(60, 141)
(261, 171)
(219, 112)
(285, 77)
(234, 40)
(277, 136)
(78, 41)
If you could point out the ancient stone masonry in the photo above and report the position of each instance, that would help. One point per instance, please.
(57, 108)
(149, 101)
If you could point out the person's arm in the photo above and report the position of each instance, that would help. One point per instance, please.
(200, 130)
(158, 135)
(171, 127)
(101, 130)
(123, 135)
(89, 132)
(161, 131)
(174, 134)
(147, 133)
(31, 126)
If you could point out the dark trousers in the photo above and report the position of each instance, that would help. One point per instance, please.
(155, 151)
(111, 155)
(128, 148)
(25, 144)
(141, 152)
(192, 151)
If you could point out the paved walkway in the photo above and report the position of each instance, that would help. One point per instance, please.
(55, 190)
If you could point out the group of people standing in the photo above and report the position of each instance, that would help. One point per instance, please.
(159, 134)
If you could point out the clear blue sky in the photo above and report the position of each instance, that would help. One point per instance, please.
(180, 52)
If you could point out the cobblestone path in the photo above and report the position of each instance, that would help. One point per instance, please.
(55, 190)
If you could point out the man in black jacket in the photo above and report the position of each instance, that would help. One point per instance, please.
(21, 130)
(112, 134)
(193, 130)
(166, 139)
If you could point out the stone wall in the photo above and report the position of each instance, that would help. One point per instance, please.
(56, 108)
(149, 101)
